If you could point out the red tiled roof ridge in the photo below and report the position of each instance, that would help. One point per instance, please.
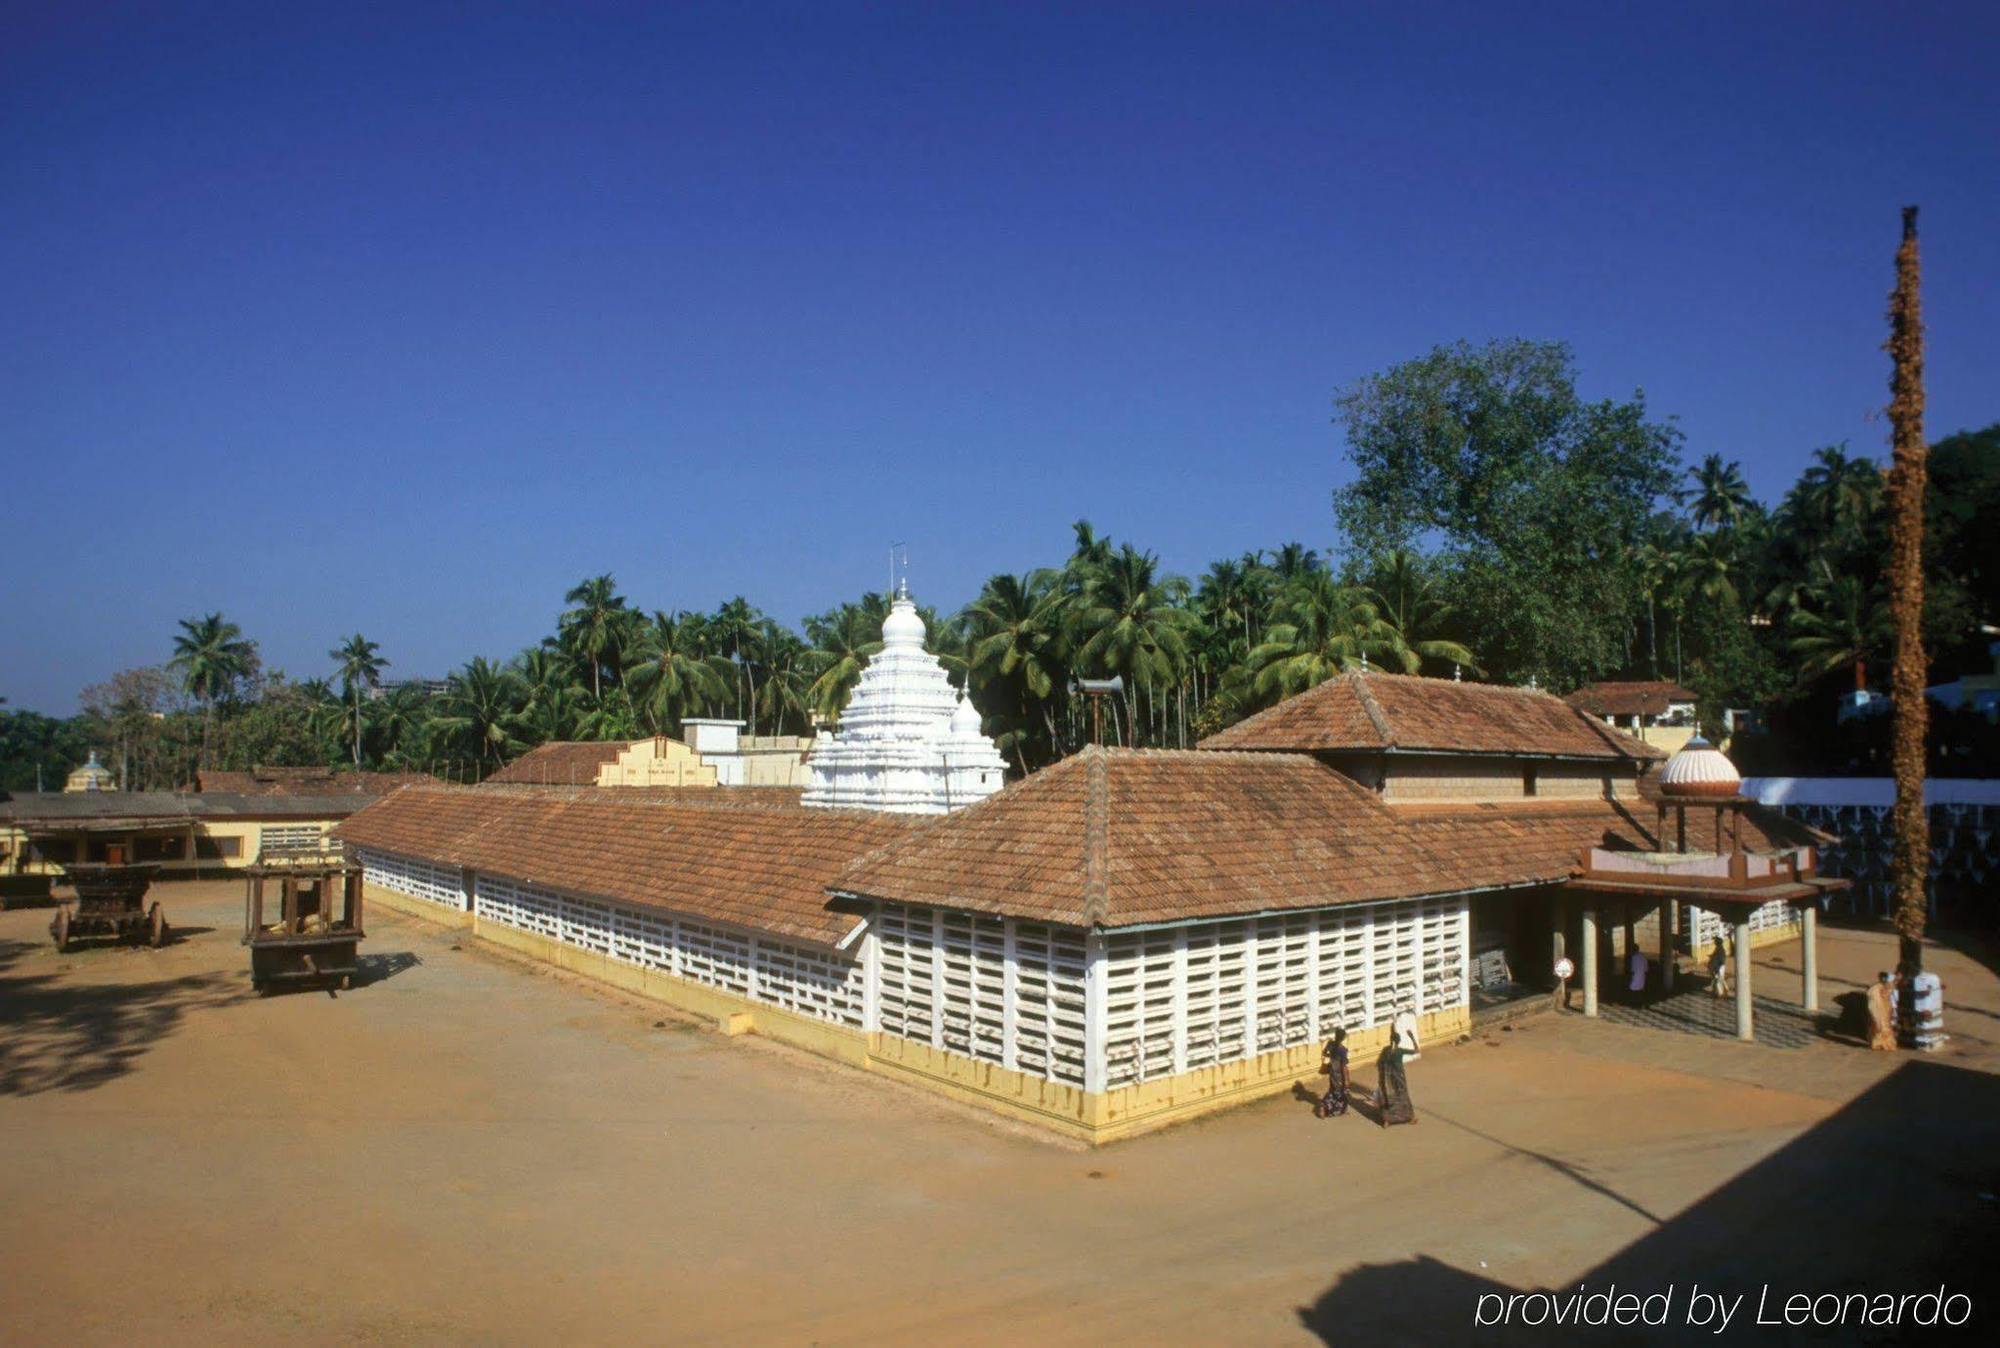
(1369, 705)
(1096, 839)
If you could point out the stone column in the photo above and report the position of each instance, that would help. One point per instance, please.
(1809, 941)
(1744, 1028)
(1589, 969)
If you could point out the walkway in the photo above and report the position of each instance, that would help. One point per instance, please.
(1698, 1011)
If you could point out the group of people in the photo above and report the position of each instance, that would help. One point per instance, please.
(1392, 1081)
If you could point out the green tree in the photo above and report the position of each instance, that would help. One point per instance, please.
(358, 665)
(1414, 614)
(1128, 624)
(1323, 628)
(211, 656)
(1016, 646)
(1720, 495)
(480, 713)
(669, 675)
(590, 630)
(1537, 498)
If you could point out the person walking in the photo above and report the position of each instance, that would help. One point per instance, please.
(1718, 968)
(1565, 970)
(1392, 1087)
(1334, 1063)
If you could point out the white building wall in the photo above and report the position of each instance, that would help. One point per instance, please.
(442, 885)
(1213, 992)
(1774, 916)
(823, 984)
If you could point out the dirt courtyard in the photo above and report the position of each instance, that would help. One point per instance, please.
(470, 1148)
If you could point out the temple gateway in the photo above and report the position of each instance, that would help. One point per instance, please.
(1127, 938)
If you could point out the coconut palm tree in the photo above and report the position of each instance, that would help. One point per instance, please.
(481, 711)
(1720, 495)
(1838, 492)
(1837, 623)
(738, 631)
(402, 719)
(1128, 624)
(1322, 629)
(357, 665)
(592, 626)
(1910, 863)
(1015, 628)
(212, 656)
(1706, 571)
(843, 640)
(669, 674)
(1406, 599)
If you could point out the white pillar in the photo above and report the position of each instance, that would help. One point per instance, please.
(1589, 953)
(1744, 1027)
(937, 978)
(1010, 1000)
(1368, 1012)
(1809, 938)
(1421, 914)
(1250, 988)
(1180, 1000)
(871, 972)
(1096, 1011)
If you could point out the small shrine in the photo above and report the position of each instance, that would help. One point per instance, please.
(907, 742)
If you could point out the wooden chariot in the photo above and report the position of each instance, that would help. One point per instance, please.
(312, 932)
(110, 904)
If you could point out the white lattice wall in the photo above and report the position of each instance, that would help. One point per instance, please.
(291, 837)
(999, 990)
(443, 885)
(1774, 916)
(822, 984)
(1186, 997)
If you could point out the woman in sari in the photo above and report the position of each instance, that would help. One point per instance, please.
(1334, 1063)
(1881, 1014)
(1392, 1087)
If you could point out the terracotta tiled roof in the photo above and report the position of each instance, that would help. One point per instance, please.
(1123, 838)
(762, 867)
(308, 782)
(1404, 713)
(562, 762)
(1637, 698)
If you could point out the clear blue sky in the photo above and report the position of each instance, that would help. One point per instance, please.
(402, 318)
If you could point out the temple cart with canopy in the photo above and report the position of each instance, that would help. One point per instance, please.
(302, 920)
(110, 902)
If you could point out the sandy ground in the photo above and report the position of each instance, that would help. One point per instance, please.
(471, 1148)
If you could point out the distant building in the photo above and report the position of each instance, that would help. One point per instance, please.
(92, 776)
(1972, 692)
(375, 692)
(747, 760)
(657, 761)
(1659, 712)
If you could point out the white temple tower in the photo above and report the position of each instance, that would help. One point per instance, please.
(907, 742)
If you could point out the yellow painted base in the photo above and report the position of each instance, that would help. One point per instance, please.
(1064, 1109)
(374, 896)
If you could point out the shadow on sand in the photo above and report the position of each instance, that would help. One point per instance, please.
(1895, 1193)
(60, 1035)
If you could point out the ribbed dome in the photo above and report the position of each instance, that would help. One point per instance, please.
(965, 718)
(903, 627)
(1700, 769)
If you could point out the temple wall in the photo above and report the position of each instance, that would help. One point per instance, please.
(1964, 819)
(1095, 1036)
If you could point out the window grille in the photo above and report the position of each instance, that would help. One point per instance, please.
(280, 838)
